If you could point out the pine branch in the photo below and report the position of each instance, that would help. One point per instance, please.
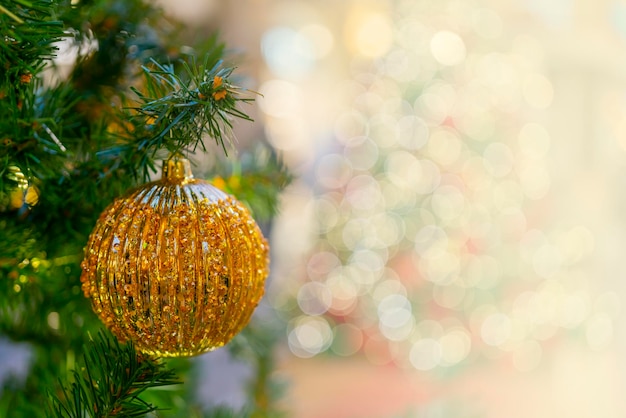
(110, 382)
(50, 142)
(179, 108)
(29, 33)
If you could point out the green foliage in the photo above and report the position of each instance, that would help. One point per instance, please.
(69, 147)
(29, 32)
(36, 299)
(178, 107)
(110, 381)
(186, 107)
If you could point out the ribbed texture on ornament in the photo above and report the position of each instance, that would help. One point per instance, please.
(176, 268)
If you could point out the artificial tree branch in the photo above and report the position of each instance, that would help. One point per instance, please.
(109, 382)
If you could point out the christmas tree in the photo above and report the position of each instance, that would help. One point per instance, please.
(76, 137)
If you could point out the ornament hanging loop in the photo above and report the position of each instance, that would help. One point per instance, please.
(176, 169)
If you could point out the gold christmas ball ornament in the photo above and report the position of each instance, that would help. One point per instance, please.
(177, 266)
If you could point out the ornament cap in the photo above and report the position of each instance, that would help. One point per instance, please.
(176, 169)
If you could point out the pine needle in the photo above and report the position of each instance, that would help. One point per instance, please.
(109, 382)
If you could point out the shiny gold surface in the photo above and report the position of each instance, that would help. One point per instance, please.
(177, 266)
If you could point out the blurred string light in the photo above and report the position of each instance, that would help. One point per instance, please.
(431, 247)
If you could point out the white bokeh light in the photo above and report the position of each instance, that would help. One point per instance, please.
(448, 48)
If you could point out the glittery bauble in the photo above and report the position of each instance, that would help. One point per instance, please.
(177, 266)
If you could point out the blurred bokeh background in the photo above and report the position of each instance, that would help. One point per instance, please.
(453, 243)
